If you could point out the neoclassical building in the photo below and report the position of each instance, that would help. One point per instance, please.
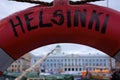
(73, 63)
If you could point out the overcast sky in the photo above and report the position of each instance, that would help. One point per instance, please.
(9, 7)
(67, 48)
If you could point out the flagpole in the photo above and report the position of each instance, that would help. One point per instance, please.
(107, 3)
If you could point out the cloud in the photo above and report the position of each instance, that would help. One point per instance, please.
(69, 48)
(114, 4)
(10, 7)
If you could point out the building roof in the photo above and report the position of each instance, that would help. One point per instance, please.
(73, 55)
(69, 50)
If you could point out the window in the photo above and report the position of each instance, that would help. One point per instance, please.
(18, 65)
(15, 65)
(80, 69)
(82, 59)
(83, 64)
(104, 64)
(72, 69)
(72, 60)
(72, 64)
(51, 64)
(76, 69)
(44, 60)
(104, 59)
(76, 60)
(40, 64)
(61, 64)
(76, 64)
(86, 64)
(97, 59)
(65, 64)
(97, 64)
(12, 65)
(51, 60)
(47, 64)
(89, 64)
(55, 64)
(68, 64)
(34, 60)
(65, 69)
(19, 61)
(90, 60)
(65, 60)
(68, 59)
(69, 69)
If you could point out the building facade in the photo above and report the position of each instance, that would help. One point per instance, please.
(60, 62)
(21, 64)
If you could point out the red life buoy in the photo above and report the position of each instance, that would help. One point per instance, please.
(37, 26)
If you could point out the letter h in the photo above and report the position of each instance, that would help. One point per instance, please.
(15, 25)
